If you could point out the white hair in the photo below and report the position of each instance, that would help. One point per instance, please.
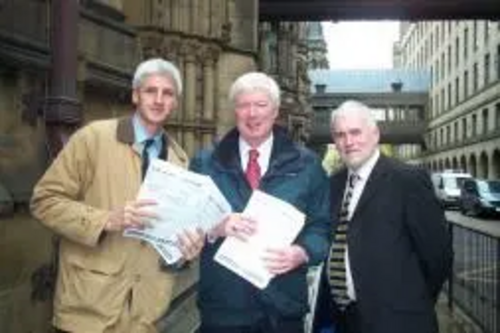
(255, 81)
(352, 107)
(157, 66)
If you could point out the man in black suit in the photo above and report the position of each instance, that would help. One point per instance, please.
(391, 251)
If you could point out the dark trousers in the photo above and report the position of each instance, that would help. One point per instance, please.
(268, 325)
(348, 320)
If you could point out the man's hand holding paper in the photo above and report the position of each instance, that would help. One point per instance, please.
(185, 201)
(267, 251)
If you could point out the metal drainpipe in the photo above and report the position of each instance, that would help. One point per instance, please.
(62, 110)
(62, 115)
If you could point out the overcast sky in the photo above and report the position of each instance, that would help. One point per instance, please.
(360, 44)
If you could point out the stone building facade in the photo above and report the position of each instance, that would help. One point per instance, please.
(284, 52)
(464, 99)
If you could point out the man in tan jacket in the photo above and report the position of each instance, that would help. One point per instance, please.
(108, 283)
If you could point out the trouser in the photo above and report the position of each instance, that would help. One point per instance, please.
(268, 325)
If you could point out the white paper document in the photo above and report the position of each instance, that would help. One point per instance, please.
(278, 224)
(185, 201)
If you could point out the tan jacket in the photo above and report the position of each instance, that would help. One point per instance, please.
(99, 279)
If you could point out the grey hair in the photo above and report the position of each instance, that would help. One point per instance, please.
(353, 107)
(255, 81)
(157, 66)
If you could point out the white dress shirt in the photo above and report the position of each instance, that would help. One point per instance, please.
(264, 153)
(363, 173)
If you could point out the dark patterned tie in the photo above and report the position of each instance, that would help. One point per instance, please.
(253, 169)
(336, 262)
(145, 156)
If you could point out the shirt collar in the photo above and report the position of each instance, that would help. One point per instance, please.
(264, 151)
(141, 133)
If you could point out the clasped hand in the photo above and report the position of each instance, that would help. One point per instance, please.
(277, 261)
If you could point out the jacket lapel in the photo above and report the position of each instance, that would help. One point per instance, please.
(337, 187)
(374, 182)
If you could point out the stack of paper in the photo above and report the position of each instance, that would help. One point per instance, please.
(185, 201)
(278, 224)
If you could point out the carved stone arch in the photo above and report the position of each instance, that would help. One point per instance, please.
(447, 163)
(473, 165)
(454, 163)
(434, 165)
(463, 163)
(495, 163)
(483, 165)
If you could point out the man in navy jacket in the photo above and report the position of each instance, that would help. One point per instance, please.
(227, 302)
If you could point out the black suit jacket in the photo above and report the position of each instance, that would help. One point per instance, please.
(399, 251)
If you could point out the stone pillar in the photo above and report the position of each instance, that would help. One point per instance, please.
(204, 24)
(178, 115)
(175, 15)
(208, 90)
(190, 88)
(214, 11)
(194, 16)
(183, 15)
(167, 17)
(190, 102)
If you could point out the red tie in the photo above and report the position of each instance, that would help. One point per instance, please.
(253, 169)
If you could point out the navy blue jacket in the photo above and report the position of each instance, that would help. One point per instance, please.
(294, 175)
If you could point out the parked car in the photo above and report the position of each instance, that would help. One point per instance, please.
(480, 197)
(447, 186)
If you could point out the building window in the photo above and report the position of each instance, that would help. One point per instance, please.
(457, 90)
(464, 128)
(486, 68)
(457, 51)
(486, 32)
(474, 38)
(436, 72)
(497, 116)
(497, 60)
(435, 109)
(449, 95)
(449, 59)
(443, 100)
(475, 80)
(443, 66)
(448, 134)
(466, 42)
(455, 131)
(484, 121)
(466, 84)
(474, 125)
(441, 136)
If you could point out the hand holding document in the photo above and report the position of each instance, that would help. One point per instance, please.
(185, 201)
(278, 224)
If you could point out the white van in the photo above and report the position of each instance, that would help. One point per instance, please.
(447, 186)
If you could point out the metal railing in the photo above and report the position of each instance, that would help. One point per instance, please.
(474, 283)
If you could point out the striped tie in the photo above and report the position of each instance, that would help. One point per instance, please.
(336, 262)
